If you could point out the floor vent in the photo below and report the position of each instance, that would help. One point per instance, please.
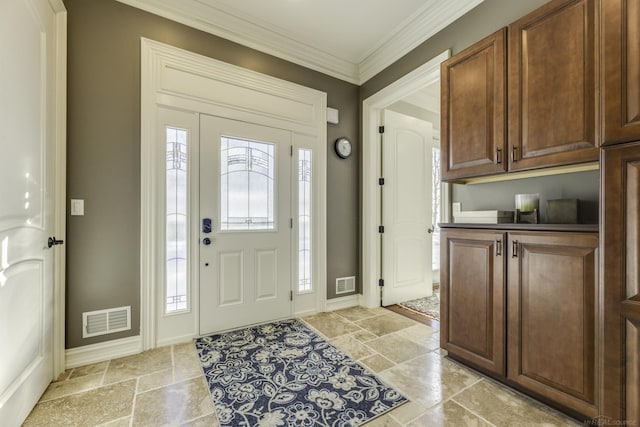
(345, 284)
(108, 321)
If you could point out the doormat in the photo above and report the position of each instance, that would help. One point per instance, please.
(284, 374)
(427, 306)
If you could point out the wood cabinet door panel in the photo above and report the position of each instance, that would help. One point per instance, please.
(620, 189)
(473, 109)
(552, 288)
(472, 306)
(552, 86)
(621, 70)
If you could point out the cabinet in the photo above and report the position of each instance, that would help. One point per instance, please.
(621, 284)
(552, 317)
(473, 110)
(553, 86)
(621, 70)
(472, 322)
(541, 287)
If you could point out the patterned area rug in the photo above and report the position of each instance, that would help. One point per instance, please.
(427, 306)
(284, 374)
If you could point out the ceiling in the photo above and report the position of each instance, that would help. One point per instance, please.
(352, 40)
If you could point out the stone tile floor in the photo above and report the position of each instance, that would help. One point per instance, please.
(166, 387)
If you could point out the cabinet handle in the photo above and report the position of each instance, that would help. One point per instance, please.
(514, 158)
(514, 249)
(499, 156)
(498, 247)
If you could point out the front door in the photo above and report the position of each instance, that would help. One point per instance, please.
(27, 135)
(245, 224)
(406, 208)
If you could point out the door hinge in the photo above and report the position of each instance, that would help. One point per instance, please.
(381, 129)
(290, 222)
(291, 151)
(380, 181)
(381, 229)
(290, 295)
(381, 282)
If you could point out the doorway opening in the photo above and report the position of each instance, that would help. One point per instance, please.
(416, 99)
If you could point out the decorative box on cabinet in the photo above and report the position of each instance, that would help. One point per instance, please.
(552, 80)
(473, 110)
(620, 187)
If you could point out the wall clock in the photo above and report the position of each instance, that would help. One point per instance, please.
(343, 147)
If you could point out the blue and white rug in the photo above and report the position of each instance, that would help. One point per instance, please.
(284, 374)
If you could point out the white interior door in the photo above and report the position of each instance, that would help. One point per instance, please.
(27, 135)
(406, 208)
(245, 249)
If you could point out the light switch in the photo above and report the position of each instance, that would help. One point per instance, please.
(77, 207)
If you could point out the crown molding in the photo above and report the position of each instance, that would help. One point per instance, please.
(260, 36)
(432, 18)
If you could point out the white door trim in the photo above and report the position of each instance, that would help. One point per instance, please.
(371, 110)
(60, 186)
(292, 107)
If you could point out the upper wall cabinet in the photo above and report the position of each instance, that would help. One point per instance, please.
(621, 70)
(473, 110)
(553, 86)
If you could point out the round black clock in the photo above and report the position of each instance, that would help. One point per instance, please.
(343, 147)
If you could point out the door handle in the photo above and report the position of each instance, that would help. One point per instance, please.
(498, 156)
(514, 157)
(499, 247)
(514, 249)
(207, 225)
(53, 242)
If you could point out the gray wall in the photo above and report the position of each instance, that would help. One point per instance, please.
(103, 262)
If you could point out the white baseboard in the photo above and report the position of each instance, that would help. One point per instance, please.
(343, 302)
(100, 352)
(176, 340)
(304, 313)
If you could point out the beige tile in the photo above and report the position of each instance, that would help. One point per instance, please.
(206, 421)
(385, 324)
(397, 348)
(377, 363)
(449, 414)
(89, 408)
(122, 422)
(186, 363)
(76, 385)
(173, 404)
(64, 376)
(357, 313)
(138, 364)
(429, 380)
(96, 368)
(352, 347)
(423, 335)
(155, 380)
(384, 421)
(364, 336)
(407, 412)
(504, 407)
(331, 325)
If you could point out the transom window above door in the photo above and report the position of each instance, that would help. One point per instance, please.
(247, 176)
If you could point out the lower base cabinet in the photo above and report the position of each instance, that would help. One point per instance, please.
(541, 287)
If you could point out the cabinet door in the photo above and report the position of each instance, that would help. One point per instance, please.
(473, 110)
(620, 188)
(552, 322)
(621, 70)
(472, 308)
(552, 86)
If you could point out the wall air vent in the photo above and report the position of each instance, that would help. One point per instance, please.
(345, 285)
(107, 321)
